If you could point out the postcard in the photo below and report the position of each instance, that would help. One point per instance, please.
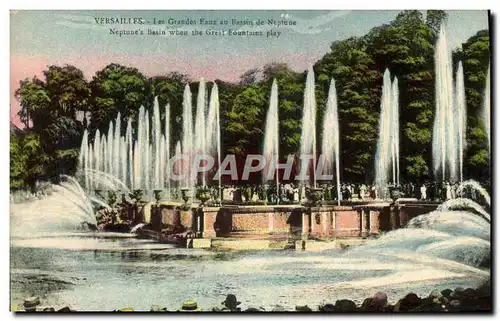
(250, 161)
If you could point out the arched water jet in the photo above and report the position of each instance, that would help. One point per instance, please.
(456, 223)
(66, 208)
(469, 250)
(107, 181)
(476, 187)
(464, 204)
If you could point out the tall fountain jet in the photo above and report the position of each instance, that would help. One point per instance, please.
(147, 155)
(83, 156)
(486, 109)
(129, 142)
(213, 142)
(177, 167)
(138, 159)
(461, 114)
(116, 157)
(166, 140)
(387, 156)
(448, 135)
(271, 139)
(187, 137)
(330, 143)
(139, 151)
(308, 137)
(157, 142)
(200, 124)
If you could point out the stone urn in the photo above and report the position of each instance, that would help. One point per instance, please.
(395, 193)
(136, 195)
(314, 195)
(185, 195)
(203, 194)
(112, 198)
(124, 199)
(158, 194)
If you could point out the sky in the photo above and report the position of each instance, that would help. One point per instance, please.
(42, 38)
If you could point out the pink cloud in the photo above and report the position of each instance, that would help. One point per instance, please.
(228, 67)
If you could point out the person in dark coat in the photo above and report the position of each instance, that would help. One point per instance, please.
(231, 303)
(346, 194)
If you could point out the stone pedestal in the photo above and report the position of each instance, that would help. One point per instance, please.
(271, 222)
(374, 217)
(365, 222)
(186, 218)
(403, 216)
(156, 216)
(198, 223)
(201, 243)
(305, 225)
(334, 223)
(393, 217)
(209, 218)
(327, 223)
(316, 223)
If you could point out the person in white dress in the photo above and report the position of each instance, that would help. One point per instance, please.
(448, 191)
(362, 192)
(423, 192)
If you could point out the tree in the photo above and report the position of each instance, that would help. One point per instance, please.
(290, 103)
(245, 121)
(227, 94)
(405, 46)
(435, 18)
(18, 162)
(115, 89)
(276, 70)
(355, 75)
(51, 106)
(169, 89)
(68, 89)
(35, 100)
(475, 56)
(28, 160)
(250, 77)
(65, 135)
(49, 144)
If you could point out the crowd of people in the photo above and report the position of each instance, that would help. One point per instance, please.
(289, 193)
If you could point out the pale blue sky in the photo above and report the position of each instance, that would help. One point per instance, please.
(60, 34)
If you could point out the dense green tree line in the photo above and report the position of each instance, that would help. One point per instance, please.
(475, 57)
(49, 144)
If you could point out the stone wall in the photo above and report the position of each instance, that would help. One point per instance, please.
(169, 215)
(250, 222)
(324, 221)
(347, 223)
(409, 211)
